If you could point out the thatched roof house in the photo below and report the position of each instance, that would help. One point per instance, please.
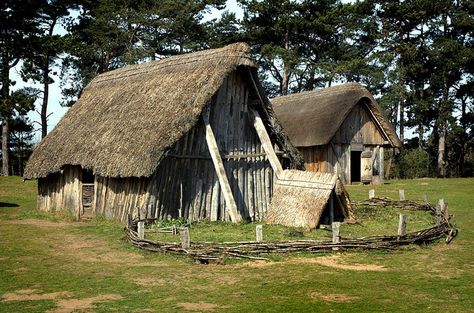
(191, 136)
(332, 127)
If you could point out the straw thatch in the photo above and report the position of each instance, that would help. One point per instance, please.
(299, 198)
(313, 118)
(127, 119)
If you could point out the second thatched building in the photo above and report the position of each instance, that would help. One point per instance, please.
(339, 129)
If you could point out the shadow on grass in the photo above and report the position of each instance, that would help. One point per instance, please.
(8, 205)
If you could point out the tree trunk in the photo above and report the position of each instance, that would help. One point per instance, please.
(286, 69)
(44, 106)
(441, 150)
(5, 114)
(5, 150)
(420, 136)
(462, 153)
(402, 103)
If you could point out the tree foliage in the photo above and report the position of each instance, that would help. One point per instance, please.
(415, 56)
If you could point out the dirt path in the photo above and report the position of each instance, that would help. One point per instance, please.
(62, 299)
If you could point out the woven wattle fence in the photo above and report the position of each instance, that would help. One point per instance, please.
(213, 251)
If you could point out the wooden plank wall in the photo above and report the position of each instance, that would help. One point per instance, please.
(357, 128)
(185, 183)
(61, 191)
(328, 158)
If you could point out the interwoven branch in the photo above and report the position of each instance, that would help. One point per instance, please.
(206, 251)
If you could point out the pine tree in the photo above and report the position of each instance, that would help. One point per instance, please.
(17, 27)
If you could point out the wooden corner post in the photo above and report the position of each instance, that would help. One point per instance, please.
(220, 170)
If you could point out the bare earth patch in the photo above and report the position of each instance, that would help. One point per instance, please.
(200, 306)
(64, 302)
(88, 249)
(332, 297)
(74, 305)
(39, 223)
(334, 262)
(32, 295)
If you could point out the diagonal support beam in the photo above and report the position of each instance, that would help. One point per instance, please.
(266, 142)
(220, 170)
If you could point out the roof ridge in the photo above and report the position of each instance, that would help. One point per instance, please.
(238, 50)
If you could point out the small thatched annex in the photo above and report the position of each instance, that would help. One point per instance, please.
(307, 199)
(340, 130)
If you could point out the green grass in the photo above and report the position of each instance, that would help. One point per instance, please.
(50, 253)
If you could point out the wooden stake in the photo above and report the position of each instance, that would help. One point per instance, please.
(401, 192)
(371, 193)
(259, 233)
(185, 238)
(220, 170)
(141, 230)
(336, 226)
(446, 212)
(402, 225)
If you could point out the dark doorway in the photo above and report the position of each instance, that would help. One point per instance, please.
(87, 193)
(355, 166)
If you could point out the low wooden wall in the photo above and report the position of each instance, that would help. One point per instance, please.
(61, 191)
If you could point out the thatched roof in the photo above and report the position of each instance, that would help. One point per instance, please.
(313, 118)
(299, 198)
(127, 119)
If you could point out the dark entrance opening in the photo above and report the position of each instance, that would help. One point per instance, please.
(87, 192)
(355, 166)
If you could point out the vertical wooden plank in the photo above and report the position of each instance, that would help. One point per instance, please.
(331, 208)
(381, 164)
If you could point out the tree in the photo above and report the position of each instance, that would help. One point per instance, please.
(273, 29)
(19, 103)
(17, 27)
(46, 49)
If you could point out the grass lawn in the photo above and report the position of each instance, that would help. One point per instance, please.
(49, 263)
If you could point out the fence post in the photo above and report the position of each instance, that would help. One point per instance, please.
(402, 225)
(259, 233)
(439, 211)
(336, 227)
(185, 238)
(371, 194)
(141, 230)
(401, 192)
